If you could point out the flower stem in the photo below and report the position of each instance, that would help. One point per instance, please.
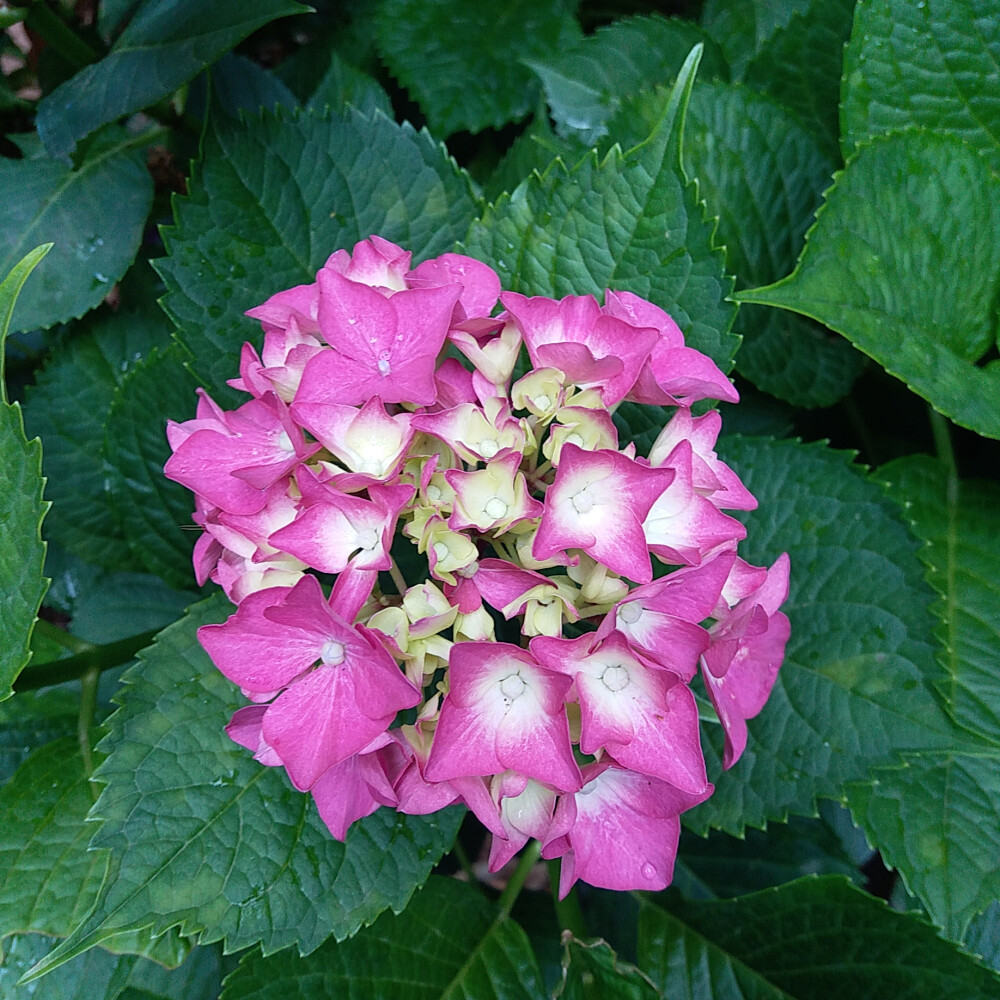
(945, 452)
(85, 719)
(99, 658)
(526, 862)
(397, 578)
(62, 637)
(568, 912)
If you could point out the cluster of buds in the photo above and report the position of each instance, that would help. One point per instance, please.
(536, 667)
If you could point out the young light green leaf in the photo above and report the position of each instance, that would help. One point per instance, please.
(152, 510)
(273, 198)
(204, 838)
(903, 260)
(446, 944)
(856, 687)
(22, 552)
(846, 945)
(934, 64)
(586, 82)
(93, 213)
(960, 521)
(591, 968)
(552, 235)
(763, 174)
(165, 44)
(68, 408)
(464, 63)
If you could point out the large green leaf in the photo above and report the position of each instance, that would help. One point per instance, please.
(166, 43)
(446, 944)
(48, 878)
(463, 63)
(815, 939)
(743, 27)
(904, 260)
(68, 408)
(934, 64)
(152, 510)
(31, 719)
(937, 818)
(763, 175)
(204, 838)
(856, 687)
(961, 524)
(22, 552)
(800, 65)
(629, 222)
(273, 198)
(100, 975)
(93, 213)
(585, 83)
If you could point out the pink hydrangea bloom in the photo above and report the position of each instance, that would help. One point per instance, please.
(365, 438)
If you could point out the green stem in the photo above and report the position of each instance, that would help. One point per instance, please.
(527, 861)
(99, 658)
(62, 637)
(568, 912)
(397, 578)
(85, 719)
(42, 19)
(463, 859)
(945, 451)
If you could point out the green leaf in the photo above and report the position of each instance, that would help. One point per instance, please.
(814, 939)
(446, 944)
(936, 819)
(273, 198)
(629, 222)
(763, 174)
(344, 84)
(983, 937)
(239, 84)
(800, 66)
(934, 64)
(586, 83)
(22, 552)
(32, 719)
(464, 63)
(165, 44)
(591, 969)
(903, 260)
(732, 866)
(743, 27)
(856, 687)
(68, 408)
(100, 975)
(204, 838)
(48, 879)
(94, 215)
(960, 522)
(152, 510)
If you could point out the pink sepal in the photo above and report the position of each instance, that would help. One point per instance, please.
(244, 728)
(620, 831)
(526, 809)
(479, 282)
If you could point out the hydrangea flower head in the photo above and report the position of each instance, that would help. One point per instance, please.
(567, 591)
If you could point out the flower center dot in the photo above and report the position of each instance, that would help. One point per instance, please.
(542, 402)
(285, 442)
(512, 686)
(575, 438)
(434, 494)
(615, 678)
(383, 366)
(496, 508)
(583, 501)
(332, 653)
(630, 613)
(488, 448)
(441, 551)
